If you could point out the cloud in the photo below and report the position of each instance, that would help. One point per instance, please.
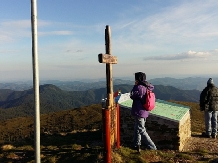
(77, 51)
(23, 23)
(177, 23)
(10, 30)
(5, 38)
(55, 33)
(182, 56)
(16, 24)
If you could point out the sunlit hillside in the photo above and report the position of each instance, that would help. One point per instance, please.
(76, 136)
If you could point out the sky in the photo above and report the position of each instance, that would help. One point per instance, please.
(161, 38)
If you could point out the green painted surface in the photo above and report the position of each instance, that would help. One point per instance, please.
(162, 108)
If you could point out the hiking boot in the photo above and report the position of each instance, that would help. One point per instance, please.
(205, 135)
(214, 136)
(208, 136)
(138, 149)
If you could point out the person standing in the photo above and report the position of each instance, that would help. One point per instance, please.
(209, 104)
(139, 113)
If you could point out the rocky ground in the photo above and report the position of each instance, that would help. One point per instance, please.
(198, 142)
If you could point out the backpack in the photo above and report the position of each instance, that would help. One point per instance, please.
(149, 100)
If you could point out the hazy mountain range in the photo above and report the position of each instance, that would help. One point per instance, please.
(191, 83)
(64, 101)
(52, 98)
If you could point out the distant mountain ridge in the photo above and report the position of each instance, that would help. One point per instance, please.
(64, 85)
(191, 83)
(52, 98)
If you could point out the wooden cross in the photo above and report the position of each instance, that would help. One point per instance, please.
(109, 112)
(108, 59)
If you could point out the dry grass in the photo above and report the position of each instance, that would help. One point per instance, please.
(84, 146)
(7, 147)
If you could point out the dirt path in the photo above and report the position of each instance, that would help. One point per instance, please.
(197, 142)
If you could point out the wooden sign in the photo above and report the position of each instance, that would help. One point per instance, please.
(107, 58)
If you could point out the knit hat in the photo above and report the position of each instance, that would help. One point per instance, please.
(140, 76)
(210, 81)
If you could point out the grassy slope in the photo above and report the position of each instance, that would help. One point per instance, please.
(59, 144)
(197, 117)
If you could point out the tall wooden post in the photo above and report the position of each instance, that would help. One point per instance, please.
(109, 95)
(109, 67)
(106, 112)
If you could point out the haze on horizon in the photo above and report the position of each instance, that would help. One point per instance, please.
(161, 38)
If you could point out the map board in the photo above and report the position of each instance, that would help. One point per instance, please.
(164, 109)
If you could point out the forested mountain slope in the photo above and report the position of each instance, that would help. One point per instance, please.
(52, 98)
